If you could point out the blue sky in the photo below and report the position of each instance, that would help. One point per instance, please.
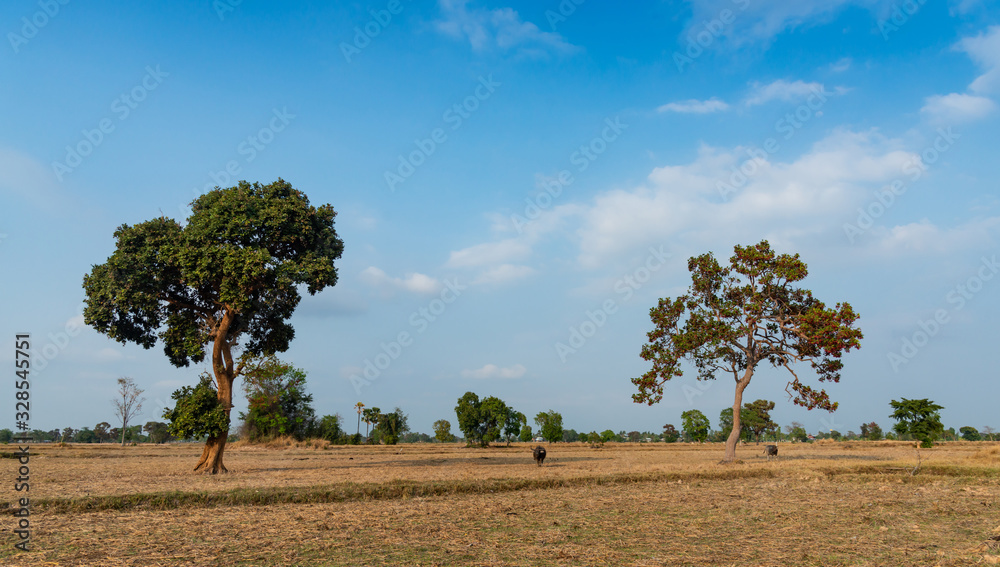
(517, 183)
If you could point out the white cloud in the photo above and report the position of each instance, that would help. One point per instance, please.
(500, 28)
(414, 282)
(76, 321)
(841, 65)
(760, 22)
(504, 273)
(21, 175)
(108, 355)
(809, 196)
(807, 199)
(335, 302)
(694, 106)
(921, 238)
(785, 91)
(956, 107)
(984, 49)
(347, 371)
(967, 6)
(490, 253)
(491, 371)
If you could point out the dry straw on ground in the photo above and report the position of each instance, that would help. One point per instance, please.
(628, 504)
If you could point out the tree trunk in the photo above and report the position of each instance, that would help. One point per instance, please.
(734, 435)
(211, 456)
(123, 432)
(225, 374)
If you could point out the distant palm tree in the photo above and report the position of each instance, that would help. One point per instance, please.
(360, 407)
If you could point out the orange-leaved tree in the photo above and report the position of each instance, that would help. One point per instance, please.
(733, 318)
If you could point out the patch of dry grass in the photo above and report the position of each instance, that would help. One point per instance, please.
(820, 504)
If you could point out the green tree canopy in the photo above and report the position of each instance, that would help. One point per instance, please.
(469, 423)
(277, 400)
(158, 431)
(484, 421)
(493, 414)
(513, 423)
(733, 318)
(670, 433)
(84, 435)
(550, 425)
(871, 431)
(525, 435)
(103, 431)
(329, 427)
(970, 433)
(919, 419)
(370, 416)
(695, 425)
(197, 413)
(228, 277)
(756, 418)
(797, 432)
(391, 426)
(442, 431)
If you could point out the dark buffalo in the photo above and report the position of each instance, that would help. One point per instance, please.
(771, 451)
(539, 453)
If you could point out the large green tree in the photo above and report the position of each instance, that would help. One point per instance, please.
(550, 425)
(512, 425)
(525, 435)
(493, 414)
(442, 431)
(670, 433)
(733, 318)
(970, 433)
(277, 400)
(695, 425)
(919, 419)
(467, 412)
(756, 418)
(229, 278)
(481, 421)
(328, 427)
(391, 426)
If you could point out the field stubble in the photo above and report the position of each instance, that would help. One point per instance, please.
(627, 504)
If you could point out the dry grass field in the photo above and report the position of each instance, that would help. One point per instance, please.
(628, 504)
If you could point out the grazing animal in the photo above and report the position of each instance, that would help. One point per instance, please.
(539, 453)
(771, 451)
